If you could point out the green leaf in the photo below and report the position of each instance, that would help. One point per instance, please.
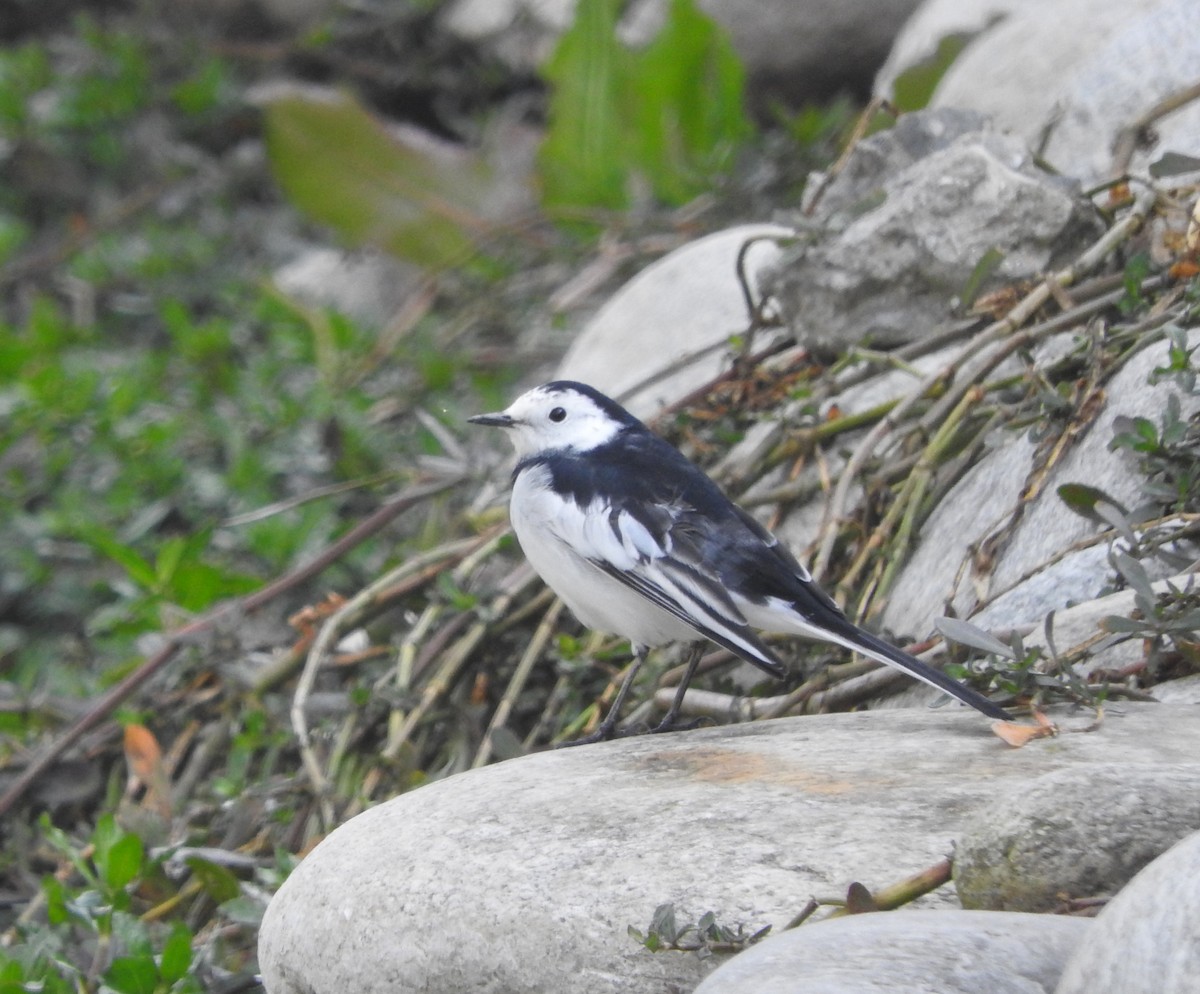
(1081, 498)
(170, 554)
(132, 975)
(687, 103)
(583, 158)
(1116, 624)
(1173, 164)
(103, 541)
(217, 881)
(663, 924)
(56, 900)
(913, 88)
(243, 910)
(973, 636)
(1134, 574)
(988, 263)
(1118, 520)
(671, 112)
(118, 854)
(195, 586)
(121, 863)
(340, 166)
(176, 954)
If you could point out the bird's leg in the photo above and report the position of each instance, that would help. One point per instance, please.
(607, 728)
(670, 719)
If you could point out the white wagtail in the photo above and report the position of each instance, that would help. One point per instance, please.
(641, 543)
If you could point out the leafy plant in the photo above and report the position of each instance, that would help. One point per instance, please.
(1179, 365)
(1013, 669)
(1165, 621)
(704, 936)
(1136, 271)
(94, 908)
(670, 114)
(1168, 455)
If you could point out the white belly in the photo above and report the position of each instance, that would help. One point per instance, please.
(596, 599)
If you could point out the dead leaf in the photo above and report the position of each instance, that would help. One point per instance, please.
(144, 757)
(1016, 734)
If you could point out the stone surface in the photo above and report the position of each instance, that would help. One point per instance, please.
(367, 286)
(792, 52)
(1147, 940)
(1030, 571)
(899, 234)
(1066, 76)
(1081, 832)
(688, 301)
(947, 952)
(525, 876)
(1185, 690)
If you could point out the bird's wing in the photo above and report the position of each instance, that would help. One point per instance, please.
(647, 551)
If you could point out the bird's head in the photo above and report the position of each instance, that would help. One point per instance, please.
(560, 416)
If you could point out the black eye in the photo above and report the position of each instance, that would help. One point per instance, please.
(558, 414)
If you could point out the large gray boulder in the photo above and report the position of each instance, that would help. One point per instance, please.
(950, 952)
(1064, 77)
(1075, 832)
(1147, 940)
(526, 876)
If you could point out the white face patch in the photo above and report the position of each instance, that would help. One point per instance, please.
(548, 419)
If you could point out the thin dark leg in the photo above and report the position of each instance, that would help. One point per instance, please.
(607, 728)
(670, 719)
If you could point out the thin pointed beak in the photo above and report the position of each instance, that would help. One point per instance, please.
(500, 420)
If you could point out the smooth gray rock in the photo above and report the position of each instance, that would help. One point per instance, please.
(1185, 690)
(687, 302)
(897, 240)
(367, 286)
(526, 875)
(1083, 831)
(1147, 940)
(1066, 76)
(947, 952)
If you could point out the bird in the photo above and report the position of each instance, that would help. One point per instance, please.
(640, 542)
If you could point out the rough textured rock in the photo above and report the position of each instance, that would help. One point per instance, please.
(526, 875)
(1064, 77)
(950, 952)
(1083, 832)
(684, 303)
(1147, 940)
(900, 233)
(1032, 569)
(1185, 690)
(794, 52)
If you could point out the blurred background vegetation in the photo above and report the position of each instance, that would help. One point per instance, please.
(179, 429)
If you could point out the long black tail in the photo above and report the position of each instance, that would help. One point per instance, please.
(853, 637)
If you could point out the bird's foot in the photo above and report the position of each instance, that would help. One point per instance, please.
(671, 723)
(604, 731)
(608, 730)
